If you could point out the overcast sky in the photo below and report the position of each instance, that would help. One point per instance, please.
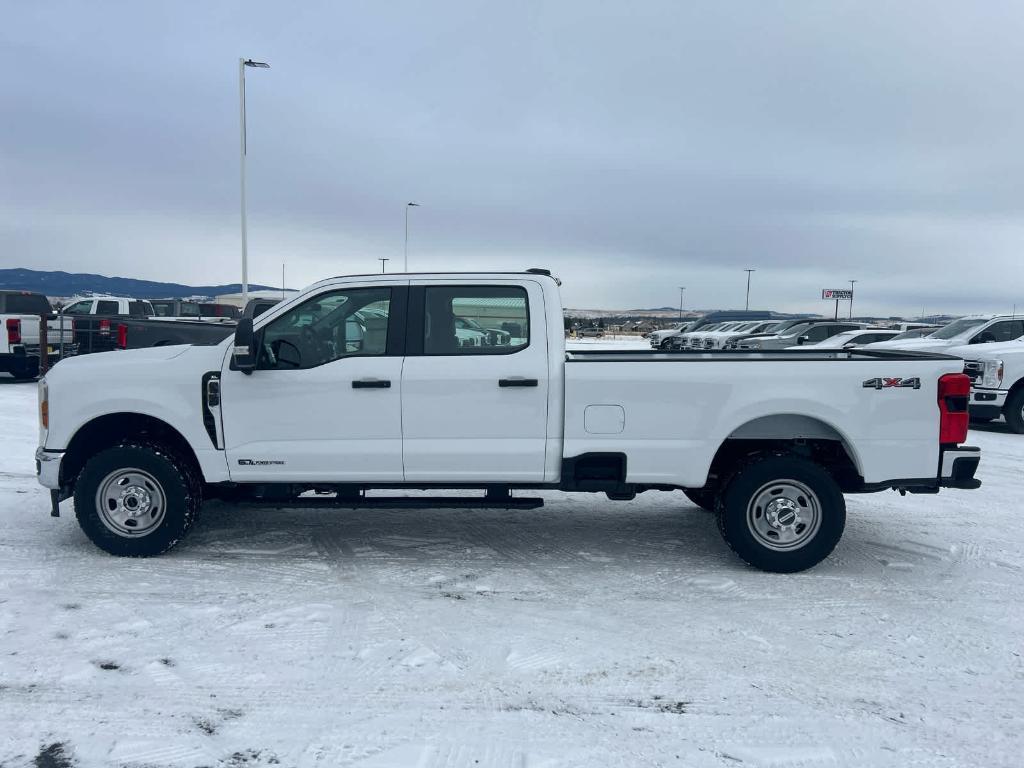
(630, 147)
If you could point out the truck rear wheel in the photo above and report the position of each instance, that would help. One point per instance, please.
(136, 499)
(1013, 411)
(782, 514)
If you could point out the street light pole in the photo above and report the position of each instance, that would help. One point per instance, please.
(748, 271)
(681, 289)
(407, 207)
(242, 64)
(383, 262)
(851, 298)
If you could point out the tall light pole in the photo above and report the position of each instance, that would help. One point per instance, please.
(407, 207)
(383, 262)
(242, 64)
(682, 288)
(748, 271)
(851, 298)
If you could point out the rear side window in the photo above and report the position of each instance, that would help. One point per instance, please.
(106, 308)
(475, 320)
(139, 308)
(190, 310)
(164, 308)
(26, 304)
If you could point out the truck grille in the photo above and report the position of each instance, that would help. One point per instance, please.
(974, 370)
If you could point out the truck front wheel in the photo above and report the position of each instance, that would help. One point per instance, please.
(703, 498)
(782, 514)
(1014, 411)
(136, 499)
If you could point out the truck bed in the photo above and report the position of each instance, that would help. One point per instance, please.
(668, 420)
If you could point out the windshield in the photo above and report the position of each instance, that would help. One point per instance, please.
(794, 330)
(957, 327)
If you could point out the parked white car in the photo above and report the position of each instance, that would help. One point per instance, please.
(976, 329)
(997, 381)
(809, 332)
(850, 339)
(658, 338)
(293, 405)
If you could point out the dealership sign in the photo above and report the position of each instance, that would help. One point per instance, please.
(834, 294)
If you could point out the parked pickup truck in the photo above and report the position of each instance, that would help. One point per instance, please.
(361, 383)
(107, 323)
(21, 314)
(996, 371)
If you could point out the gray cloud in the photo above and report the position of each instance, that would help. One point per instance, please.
(633, 148)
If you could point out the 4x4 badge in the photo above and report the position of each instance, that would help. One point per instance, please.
(887, 383)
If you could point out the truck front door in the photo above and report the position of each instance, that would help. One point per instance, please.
(475, 382)
(324, 403)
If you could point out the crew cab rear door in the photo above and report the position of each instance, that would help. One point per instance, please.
(474, 406)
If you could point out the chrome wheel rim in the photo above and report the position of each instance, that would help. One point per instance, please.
(130, 502)
(784, 515)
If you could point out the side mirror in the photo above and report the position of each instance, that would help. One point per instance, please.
(243, 355)
(803, 340)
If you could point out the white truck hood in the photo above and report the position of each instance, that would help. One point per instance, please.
(910, 344)
(993, 351)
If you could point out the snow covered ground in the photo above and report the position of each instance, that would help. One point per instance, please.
(587, 633)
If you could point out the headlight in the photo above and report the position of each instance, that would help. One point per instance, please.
(993, 376)
(754, 344)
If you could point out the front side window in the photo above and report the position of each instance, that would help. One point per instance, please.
(475, 320)
(1008, 330)
(164, 308)
(80, 308)
(328, 327)
(189, 310)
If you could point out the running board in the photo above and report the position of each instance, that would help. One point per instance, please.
(399, 502)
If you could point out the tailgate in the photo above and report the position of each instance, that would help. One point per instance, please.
(54, 335)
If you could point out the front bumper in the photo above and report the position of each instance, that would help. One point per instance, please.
(48, 468)
(987, 403)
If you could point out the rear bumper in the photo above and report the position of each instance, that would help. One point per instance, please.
(957, 467)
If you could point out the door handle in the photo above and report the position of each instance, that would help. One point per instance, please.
(517, 381)
(371, 384)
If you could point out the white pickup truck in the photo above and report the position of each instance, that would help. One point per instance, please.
(362, 383)
(996, 371)
(21, 314)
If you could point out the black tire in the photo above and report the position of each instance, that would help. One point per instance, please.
(807, 506)
(26, 371)
(168, 482)
(703, 498)
(1013, 411)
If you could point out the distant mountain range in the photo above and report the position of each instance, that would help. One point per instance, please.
(66, 284)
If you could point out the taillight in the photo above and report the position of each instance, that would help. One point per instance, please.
(13, 330)
(122, 336)
(954, 394)
(104, 327)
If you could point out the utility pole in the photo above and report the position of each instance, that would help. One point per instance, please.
(682, 288)
(242, 64)
(748, 271)
(383, 262)
(407, 207)
(851, 298)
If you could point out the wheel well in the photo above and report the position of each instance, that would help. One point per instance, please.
(106, 431)
(1017, 386)
(830, 454)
